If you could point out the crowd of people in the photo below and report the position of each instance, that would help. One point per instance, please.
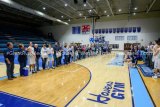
(52, 56)
(150, 55)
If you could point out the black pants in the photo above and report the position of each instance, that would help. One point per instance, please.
(10, 69)
(37, 64)
(79, 55)
(60, 60)
(66, 59)
(44, 61)
(22, 65)
(149, 62)
(57, 60)
(69, 58)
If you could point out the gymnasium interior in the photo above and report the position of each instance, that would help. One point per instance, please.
(79, 53)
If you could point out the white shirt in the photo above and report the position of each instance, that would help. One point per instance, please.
(31, 50)
(44, 53)
(50, 50)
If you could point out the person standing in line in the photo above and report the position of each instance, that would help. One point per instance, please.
(9, 56)
(135, 54)
(143, 54)
(132, 48)
(50, 52)
(90, 50)
(70, 53)
(22, 58)
(37, 52)
(156, 57)
(93, 50)
(44, 56)
(56, 49)
(58, 54)
(150, 57)
(79, 52)
(83, 51)
(75, 52)
(139, 56)
(87, 50)
(31, 58)
(66, 54)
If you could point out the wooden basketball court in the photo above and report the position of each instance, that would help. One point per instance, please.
(76, 85)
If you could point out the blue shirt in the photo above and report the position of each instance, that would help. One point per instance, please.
(65, 51)
(56, 48)
(9, 53)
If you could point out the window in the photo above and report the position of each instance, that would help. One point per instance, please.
(119, 38)
(132, 38)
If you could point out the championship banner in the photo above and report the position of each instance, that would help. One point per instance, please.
(85, 29)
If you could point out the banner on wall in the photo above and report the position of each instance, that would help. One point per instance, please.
(86, 29)
(76, 30)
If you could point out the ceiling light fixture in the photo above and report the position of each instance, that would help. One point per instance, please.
(58, 20)
(84, 5)
(7, 1)
(39, 13)
(135, 8)
(90, 11)
(80, 14)
(66, 23)
(31, 11)
(65, 4)
(119, 10)
(44, 8)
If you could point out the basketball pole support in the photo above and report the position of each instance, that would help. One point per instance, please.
(93, 26)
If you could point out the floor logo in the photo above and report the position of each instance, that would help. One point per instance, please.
(111, 90)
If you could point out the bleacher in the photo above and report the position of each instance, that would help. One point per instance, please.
(18, 36)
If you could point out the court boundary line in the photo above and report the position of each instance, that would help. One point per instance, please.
(146, 88)
(82, 88)
(27, 99)
(131, 88)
